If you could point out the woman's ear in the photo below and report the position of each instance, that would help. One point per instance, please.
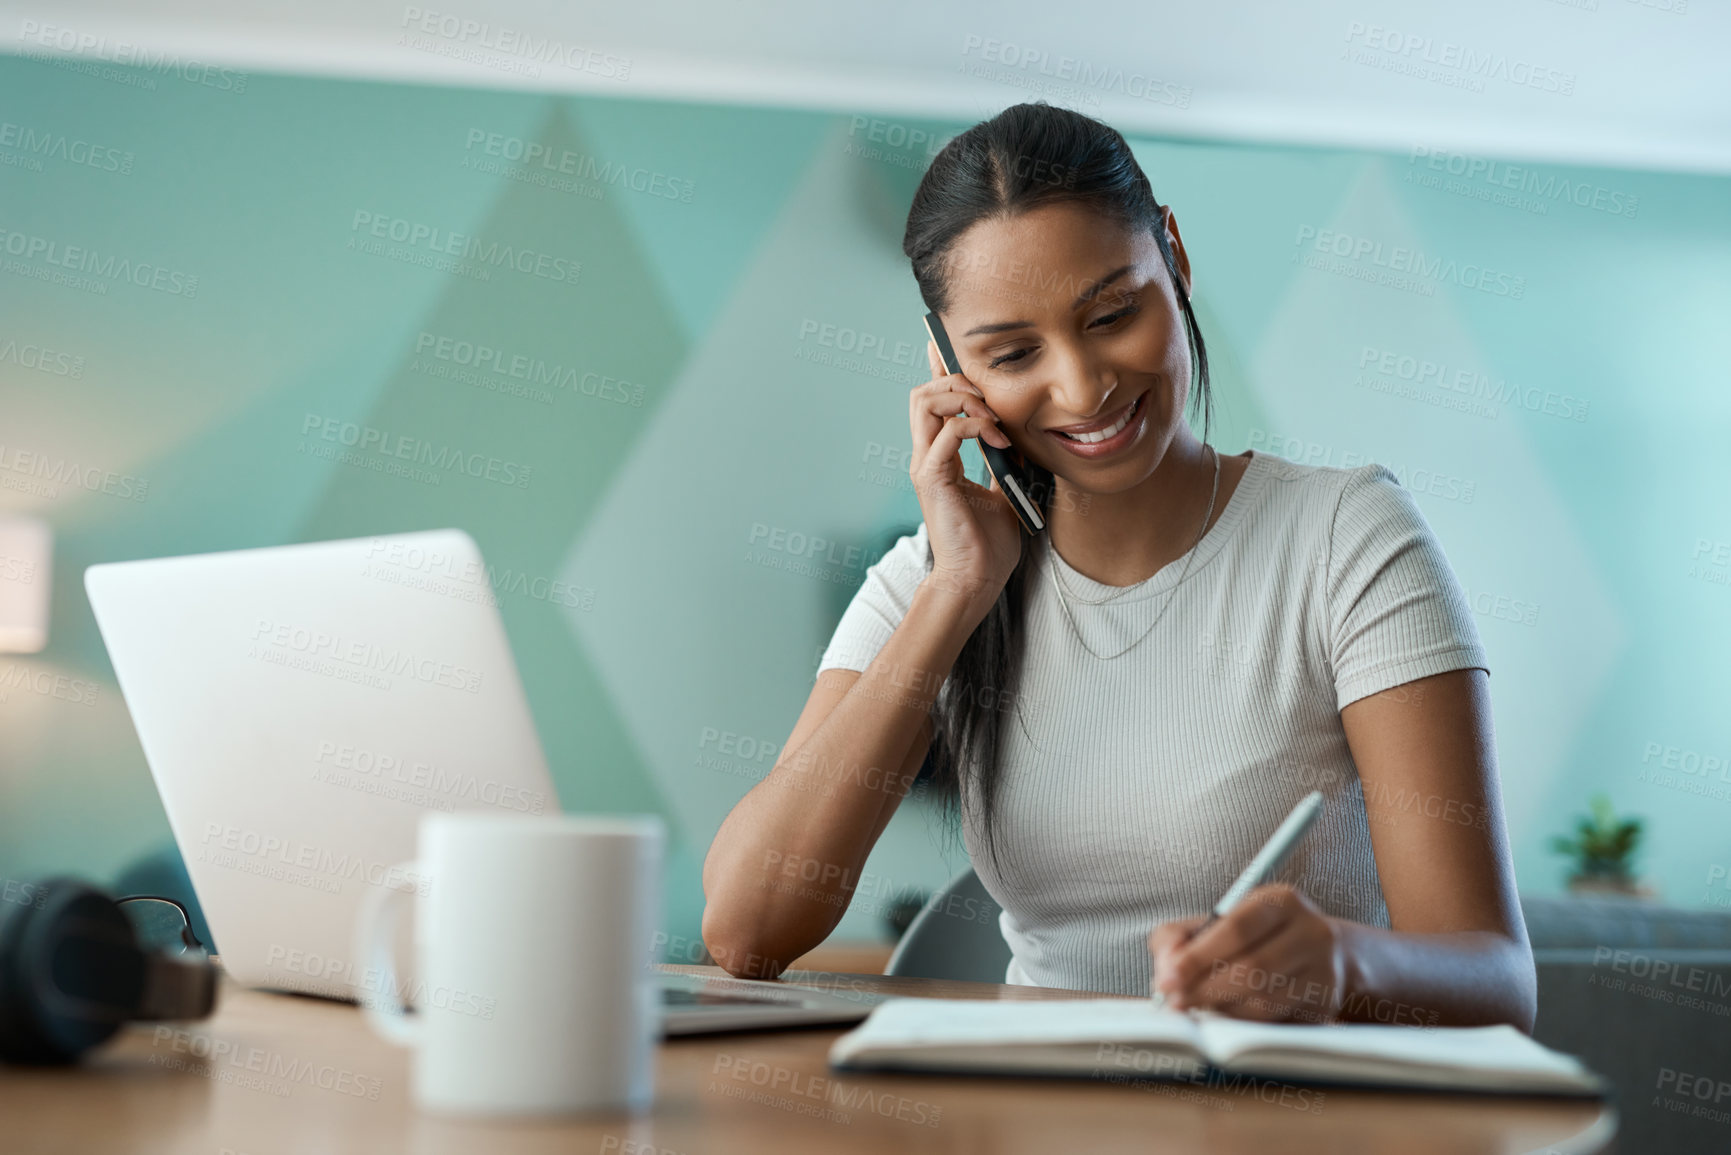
(1176, 242)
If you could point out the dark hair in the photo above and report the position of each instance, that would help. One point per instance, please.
(1026, 157)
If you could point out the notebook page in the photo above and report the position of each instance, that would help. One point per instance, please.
(915, 1023)
(1501, 1049)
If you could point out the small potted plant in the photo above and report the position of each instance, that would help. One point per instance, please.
(1603, 850)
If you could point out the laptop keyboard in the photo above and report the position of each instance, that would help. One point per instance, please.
(672, 997)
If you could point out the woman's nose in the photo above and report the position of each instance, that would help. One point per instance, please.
(1080, 386)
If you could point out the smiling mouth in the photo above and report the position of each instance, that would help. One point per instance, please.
(1110, 431)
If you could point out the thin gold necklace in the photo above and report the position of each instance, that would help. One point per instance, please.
(1058, 581)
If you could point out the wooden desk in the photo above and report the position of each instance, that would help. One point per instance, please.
(854, 958)
(275, 1073)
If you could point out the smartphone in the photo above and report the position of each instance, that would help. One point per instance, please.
(1011, 480)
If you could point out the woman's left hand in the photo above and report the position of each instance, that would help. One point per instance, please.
(1276, 957)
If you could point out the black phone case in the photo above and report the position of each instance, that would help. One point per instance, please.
(1010, 479)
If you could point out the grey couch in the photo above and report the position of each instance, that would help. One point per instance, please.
(1642, 993)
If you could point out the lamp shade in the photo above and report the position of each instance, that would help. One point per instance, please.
(26, 560)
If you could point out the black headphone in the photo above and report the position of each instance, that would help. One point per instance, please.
(72, 971)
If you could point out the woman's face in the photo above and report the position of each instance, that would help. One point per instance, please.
(1069, 324)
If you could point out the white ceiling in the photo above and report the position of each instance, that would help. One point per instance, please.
(1651, 86)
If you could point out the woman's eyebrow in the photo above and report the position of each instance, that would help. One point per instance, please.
(999, 327)
(1093, 290)
(1087, 294)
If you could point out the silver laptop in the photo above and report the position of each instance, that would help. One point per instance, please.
(301, 706)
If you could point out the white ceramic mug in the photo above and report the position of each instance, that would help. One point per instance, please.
(532, 993)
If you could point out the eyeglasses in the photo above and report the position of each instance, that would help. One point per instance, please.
(161, 924)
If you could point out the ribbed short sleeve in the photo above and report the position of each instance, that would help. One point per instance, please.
(879, 605)
(1396, 611)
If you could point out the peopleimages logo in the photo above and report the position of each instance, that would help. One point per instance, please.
(1474, 66)
(1370, 254)
(23, 893)
(42, 475)
(417, 235)
(73, 42)
(91, 262)
(367, 439)
(490, 362)
(41, 358)
(385, 768)
(809, 552)
(332, 977)
(272, 1072)
(16, 677)
(508, 41)
(1416, 480)
(290, 639)
(848, 340)
(58, 146)
(578, 165)
(1526, 187)
(913, 141)
(773, 1085)
(1425, 372)
(293, 853)
(1039, 65)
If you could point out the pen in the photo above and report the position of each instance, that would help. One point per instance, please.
(1268, 859)
(1266, 862)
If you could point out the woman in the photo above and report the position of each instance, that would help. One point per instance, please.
(1123, 707)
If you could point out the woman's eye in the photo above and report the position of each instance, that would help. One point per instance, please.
(1015, 355)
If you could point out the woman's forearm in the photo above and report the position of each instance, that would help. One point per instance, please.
(1457, 979)
(1277, 956)
(785, 863)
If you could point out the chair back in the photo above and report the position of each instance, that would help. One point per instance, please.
(955, 936)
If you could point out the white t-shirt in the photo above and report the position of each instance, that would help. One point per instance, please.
(1134, 790)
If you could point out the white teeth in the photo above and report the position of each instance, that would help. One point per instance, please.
(1090, 438)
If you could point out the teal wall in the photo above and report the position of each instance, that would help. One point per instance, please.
(698, 404)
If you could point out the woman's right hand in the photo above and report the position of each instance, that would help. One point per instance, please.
(975, 537)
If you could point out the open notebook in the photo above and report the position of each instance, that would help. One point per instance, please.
(1132, 1038)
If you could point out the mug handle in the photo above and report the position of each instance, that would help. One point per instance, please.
(375, 938)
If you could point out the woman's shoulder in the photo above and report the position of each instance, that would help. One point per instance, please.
(1356, 520)
(1299, 492)
(910, 552)
(900, 566)
(885, 593)
(1358, 470)
(1340, 518)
